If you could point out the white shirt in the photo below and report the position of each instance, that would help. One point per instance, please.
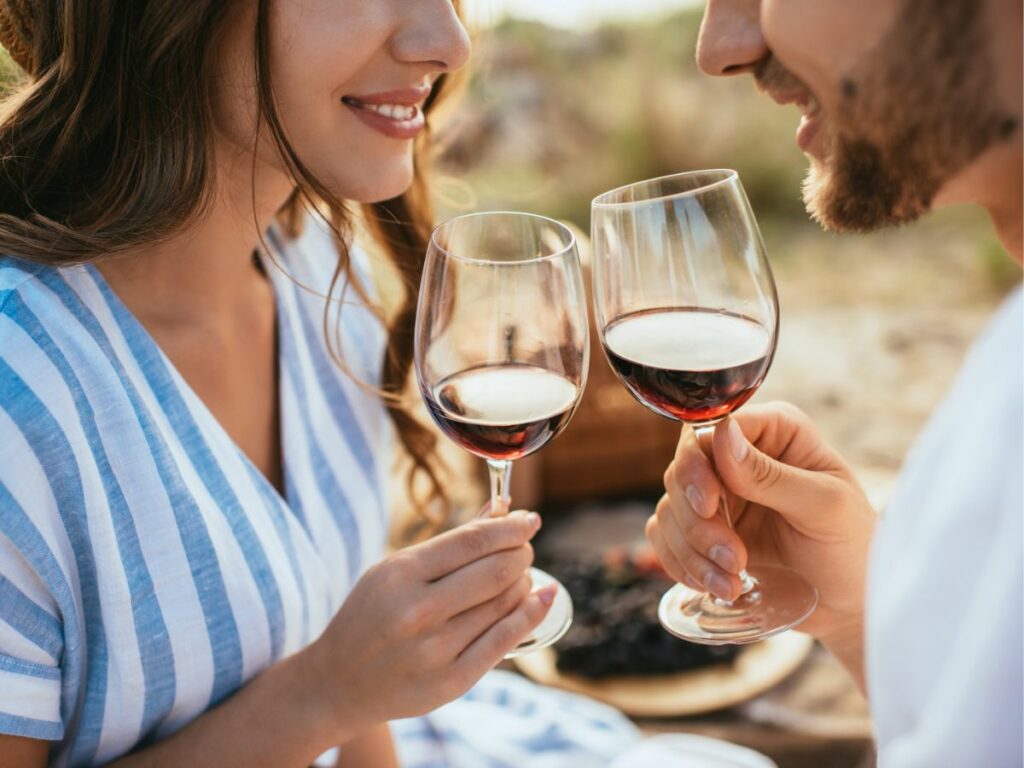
(944, 619)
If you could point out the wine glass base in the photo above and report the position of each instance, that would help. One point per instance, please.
(554, 625)
(780, 600)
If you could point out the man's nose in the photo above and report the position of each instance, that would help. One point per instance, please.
(730, 40)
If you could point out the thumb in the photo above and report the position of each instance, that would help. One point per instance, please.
(799, 495)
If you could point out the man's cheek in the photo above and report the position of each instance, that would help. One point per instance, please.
(820, 40)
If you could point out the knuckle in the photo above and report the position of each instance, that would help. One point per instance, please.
(433, 652)
(695, 566)
(475, 540)
(694, 530)
(393, 571)
(503, 571)
(513, 596)
(651, 528)
(835, 495)
(791, 411)
(527, 555)
(668, 479)
(765, 472)
(414, 619)
(515, 626)
(663, 507)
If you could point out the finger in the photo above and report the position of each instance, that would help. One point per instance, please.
(668, 560)
(714, 579)
(797, 494)
(713, 539)
(690, 478)
(471, 624)
(482, 579)
(452, 550)
(488, 649)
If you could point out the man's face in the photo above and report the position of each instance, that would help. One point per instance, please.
(898, 96)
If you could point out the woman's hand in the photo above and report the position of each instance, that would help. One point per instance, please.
(793, 501)
(421, 627)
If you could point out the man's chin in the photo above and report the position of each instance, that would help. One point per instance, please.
(855, 198)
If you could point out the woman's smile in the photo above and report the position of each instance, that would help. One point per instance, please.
(397, 114)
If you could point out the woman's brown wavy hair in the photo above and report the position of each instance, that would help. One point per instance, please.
(106, 145)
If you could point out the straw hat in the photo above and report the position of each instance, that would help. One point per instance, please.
(16, 31)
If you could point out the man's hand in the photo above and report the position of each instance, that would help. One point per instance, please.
(793, 501)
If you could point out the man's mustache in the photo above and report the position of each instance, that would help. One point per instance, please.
(771, 76)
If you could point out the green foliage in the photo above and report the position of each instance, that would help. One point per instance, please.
(554, 118)
(10, 73)
(1002, 272)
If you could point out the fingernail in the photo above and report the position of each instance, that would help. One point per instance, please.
(737, 442)
(534, 520)
(724, 558)
(547, 594)
(696, 499)
(718, 585)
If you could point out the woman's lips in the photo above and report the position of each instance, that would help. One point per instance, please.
(397, 114)
(394, 120)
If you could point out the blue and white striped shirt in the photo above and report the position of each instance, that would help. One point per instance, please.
(147, 568)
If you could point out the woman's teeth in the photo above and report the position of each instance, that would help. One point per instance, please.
(398, 112)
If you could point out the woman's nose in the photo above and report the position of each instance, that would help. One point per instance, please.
(730, 41)
(433, 34)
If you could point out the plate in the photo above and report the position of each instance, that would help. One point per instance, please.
(757, 668)
(681, 750)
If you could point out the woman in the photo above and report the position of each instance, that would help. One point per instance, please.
(191, 492)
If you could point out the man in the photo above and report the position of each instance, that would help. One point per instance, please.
(908, 105)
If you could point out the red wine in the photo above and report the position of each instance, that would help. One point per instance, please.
(694, 365)
(502, 411)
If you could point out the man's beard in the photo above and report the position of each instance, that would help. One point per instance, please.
(918, 110)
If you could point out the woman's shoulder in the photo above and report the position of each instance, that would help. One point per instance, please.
(52, 364)
(32, 290)
(17, 276)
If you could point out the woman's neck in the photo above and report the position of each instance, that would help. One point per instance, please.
(210, 262)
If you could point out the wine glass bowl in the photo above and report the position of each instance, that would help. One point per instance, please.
(688, 314)
(502, 349)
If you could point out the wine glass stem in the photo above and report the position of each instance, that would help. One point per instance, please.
(746, 582)
(500, 471)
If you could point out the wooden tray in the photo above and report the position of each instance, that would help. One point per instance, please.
(757, 668)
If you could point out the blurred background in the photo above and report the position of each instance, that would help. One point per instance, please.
(572, 98)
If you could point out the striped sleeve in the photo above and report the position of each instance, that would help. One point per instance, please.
(31, 643)
(31, 625)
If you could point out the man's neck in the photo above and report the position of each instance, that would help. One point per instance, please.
(1007, 209)
(995, 181)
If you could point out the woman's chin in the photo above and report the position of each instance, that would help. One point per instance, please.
(378, 184)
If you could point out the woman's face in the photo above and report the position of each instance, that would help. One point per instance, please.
(349, 79)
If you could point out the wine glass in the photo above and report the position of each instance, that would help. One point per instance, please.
(689, 318)
(502, 349)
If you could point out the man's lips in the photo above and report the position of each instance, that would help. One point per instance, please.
(397, 113)
(810, 122)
